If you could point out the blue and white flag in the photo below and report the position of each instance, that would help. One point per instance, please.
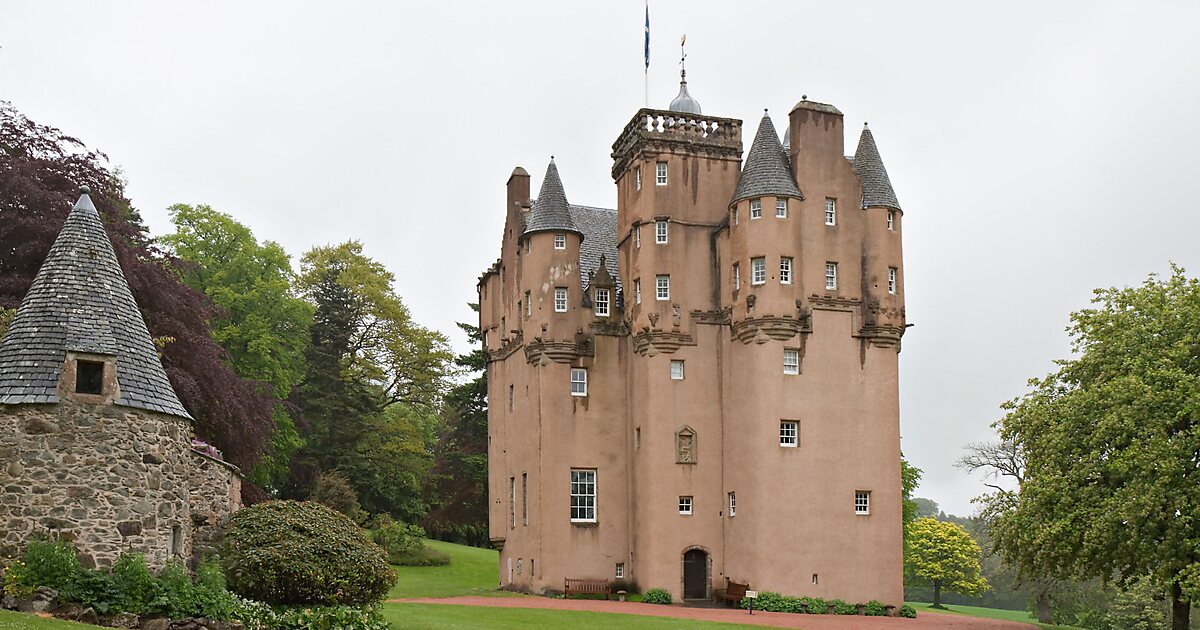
(647, 36)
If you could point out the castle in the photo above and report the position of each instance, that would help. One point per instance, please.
(95, 446)
(702, 385)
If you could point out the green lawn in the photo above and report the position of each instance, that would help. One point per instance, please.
(990, 613)
(446, 617)
(472, 571)
(18, 621)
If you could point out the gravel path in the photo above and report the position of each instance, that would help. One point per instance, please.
(924, 620)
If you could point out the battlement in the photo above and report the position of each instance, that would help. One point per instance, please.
(666, 130)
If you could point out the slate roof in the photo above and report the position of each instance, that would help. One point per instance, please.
(599, 227)
(766, 172)
(551, 211)
(80, 301)
(876, 186)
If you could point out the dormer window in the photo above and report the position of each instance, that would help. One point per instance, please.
(89, 377)
(755, 209)
(560, 241)
(600, 303)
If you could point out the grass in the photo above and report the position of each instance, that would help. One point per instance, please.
(989, 613)
(19, 621)
(449, 617)
(472, 571)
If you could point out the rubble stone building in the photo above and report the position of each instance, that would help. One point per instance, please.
(95, 446)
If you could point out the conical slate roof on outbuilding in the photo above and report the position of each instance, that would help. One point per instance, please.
(80, 302)
(876, 186)
(766, 172)
(551, 212)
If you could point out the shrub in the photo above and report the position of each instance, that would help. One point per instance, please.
(657, 596)
(51, 563)
(284, 552)
(907, 611)
(622, 584)
(876, 608)
(815, 605)
(403, 543)
(329, 618)
(423, 557)
(96, 590)
(18, 580)
(178, 597)
(333, 489)
(841, 607)
(138, 588)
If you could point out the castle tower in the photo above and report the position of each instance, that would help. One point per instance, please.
(93, 440)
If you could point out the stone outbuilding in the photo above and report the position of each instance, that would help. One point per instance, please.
(95, 445)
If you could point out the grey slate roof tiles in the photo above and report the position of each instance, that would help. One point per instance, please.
(766, 172)
(599, 227)
(551, 210)
(80, 302)
(876, 186)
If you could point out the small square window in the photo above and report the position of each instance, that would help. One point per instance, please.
(732, 504)
(560, 299)
(579, 381)
(789, 433)
(560, 241)
(660, 232)
(830, 212)
(755, 209)
(600, 303)
(676, 370)
(660, 173)
(637, 290)
(619, 573)
(662, 288)
(862, 502)
(89, 377)
(758, 270)
(892, 280)
(685, 505)
(737, 277)
(785, 270)
(781, 208)
(791, 361)
(637, 178)
(830, 276)
(891, 219)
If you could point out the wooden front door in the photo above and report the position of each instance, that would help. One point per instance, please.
(695, 574)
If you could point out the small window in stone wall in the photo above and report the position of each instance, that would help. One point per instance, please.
(89, 377)
(175, 547)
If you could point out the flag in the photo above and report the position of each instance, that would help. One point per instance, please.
(647, 36)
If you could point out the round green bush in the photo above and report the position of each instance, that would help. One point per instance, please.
(907, 611)
(657, 596)
(291, 553)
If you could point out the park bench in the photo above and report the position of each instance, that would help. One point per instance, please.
(734, 591)
(576, 586)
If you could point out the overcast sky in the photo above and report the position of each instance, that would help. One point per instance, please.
(1039, 149)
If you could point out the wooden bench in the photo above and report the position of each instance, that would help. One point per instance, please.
(734, 592)
(576, 586)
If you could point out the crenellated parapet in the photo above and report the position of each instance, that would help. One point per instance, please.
(667, 131)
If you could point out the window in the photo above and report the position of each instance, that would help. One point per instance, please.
(560, 299)
(637, 236)
(620, 570)
(662, 287)
(862, 502)
(637, 438)
(758, 270)
(891, 219)
(528, 245)
(830, 212)
(781, 208)
(560, 241)
(789, 433)
(791, 361)
(733, 216)
(512, 502)
(892, 280)
(732, 504)
(510, 397)
(660, 173)
(528, 305)
(579, 381)
(737, 277)
(660, 232)
(89, 377)
(175, 548)
(637, 178)
(685, 505)
(676, 370)
(525, 498)
(600, 304)
(583, 496)
(814, 578)
(785, 270)
(637, 290)
(756, 208)
(830, 276)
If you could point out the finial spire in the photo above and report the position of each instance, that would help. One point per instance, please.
(684, 101)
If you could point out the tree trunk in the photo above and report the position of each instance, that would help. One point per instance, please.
(937, 594)
(1181, 610)
(1043, 605)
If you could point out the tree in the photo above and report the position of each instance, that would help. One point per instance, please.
(1111, 487)
(264, 326)
(6, 317)
(942, 555)
(910, 478)
(41, 170)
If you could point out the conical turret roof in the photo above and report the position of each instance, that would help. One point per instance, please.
(80, 302)
(766, 172)
(551, 212)
(876, 186)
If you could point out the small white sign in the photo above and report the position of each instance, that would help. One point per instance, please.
(751, 594)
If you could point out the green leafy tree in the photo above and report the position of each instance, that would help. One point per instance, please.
(265, 324)
(6, 317)
(1111, 487)
(942, 555)
(910, 478)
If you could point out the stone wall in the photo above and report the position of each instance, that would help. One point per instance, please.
(112, 479)
(216, 493)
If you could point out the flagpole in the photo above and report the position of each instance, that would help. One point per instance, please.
(646, 69)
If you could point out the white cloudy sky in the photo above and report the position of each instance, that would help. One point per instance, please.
(1039, 149)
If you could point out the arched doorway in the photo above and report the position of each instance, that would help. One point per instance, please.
(695, 574)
